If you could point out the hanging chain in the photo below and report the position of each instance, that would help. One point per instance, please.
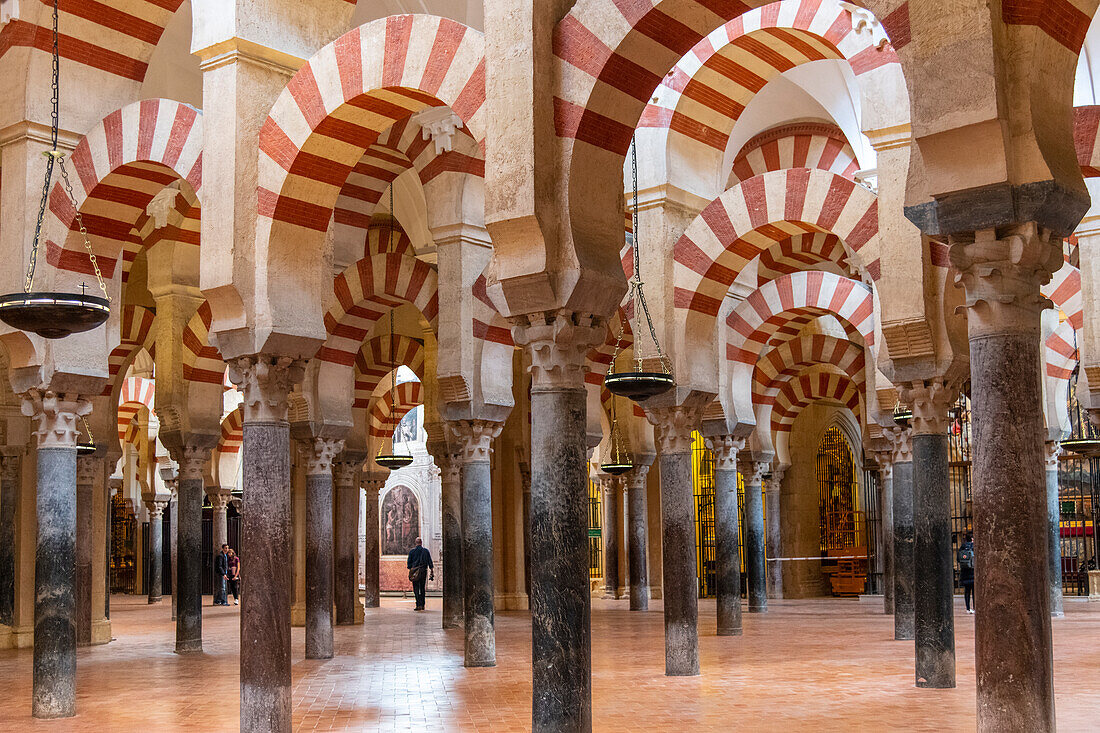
(87, 427)
(53, 155)
(393, 374)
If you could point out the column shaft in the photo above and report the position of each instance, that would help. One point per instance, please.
(452, 544)
(85, 513)
(156, 555)
(638, 537)
(679, 581)
(934, 617)
(774, 534)
(189, 565)
(9, 489)
(477, 566)
(347, 549)
(561, 637)
(754, 534)
(319, 565)
(886, 512)
(903, 552)
(727, 551)
(371, 568)
(54, 676)
(1054, 517)
(609, 522)
(220, 524)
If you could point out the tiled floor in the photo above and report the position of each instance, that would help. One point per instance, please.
(806, 666)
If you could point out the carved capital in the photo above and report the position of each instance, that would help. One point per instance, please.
(901, 444)
(673, 426)
(265, 381)
(1002, 276)
(87, 468)
(752, 471)
(171, 484)
(371, 487)
(156, 508)
(219, 499)
(191, 456)
(1053, 449)
(9, 467)
(557, 344)
(636, 479)
(775, 478)
(930, 400)
(450, 467)
(885, 461)
(473, 439)
(609, 486)
(725, 449)
(343, 473)
(55, 416)
(319, 453)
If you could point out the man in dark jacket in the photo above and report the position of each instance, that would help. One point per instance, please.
(420, 565)
(965, 558)
(221, 575)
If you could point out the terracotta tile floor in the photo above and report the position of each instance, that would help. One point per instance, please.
(806, 666)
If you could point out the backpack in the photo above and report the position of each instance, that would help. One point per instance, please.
(965, 556)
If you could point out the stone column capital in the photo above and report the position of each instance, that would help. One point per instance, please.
(884, 459)
(930, 400)
(319, 453)
(450, 466)
(775, 479)
(673, 426)
(1052, 449)
(191, 456)
(473, 439)
(1002, 272)
(343, 473)
(265, 381)
(901, 444)
(725, 449)
(86, 469)
(752, 470)
(219, 499)
(557, 343)
(371, 487)
(156, 508)
(55, 416)
(637, 477)
(172, 484)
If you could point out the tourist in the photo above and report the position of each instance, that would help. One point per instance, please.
(234, 563)
(221, 575)
(420, 564)
(965, 557)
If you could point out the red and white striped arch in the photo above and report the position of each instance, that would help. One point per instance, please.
(817, 383)
(1064, 290)
(349, 93)
(136, 393)
(203, 362)
(383, 419)
(116, 170)
(743, 222)
(779, 365)
(386, 239)
(803, 252)
(488, 325)
(375, 361)
(366, 291)
(135, 332)
(117, 37)
(232, 433)
(1060, 352)
(771, 309)
(1086, 125)
(802, 145)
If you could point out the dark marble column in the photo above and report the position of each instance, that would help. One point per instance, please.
(86, 468)
(886, 515)
(172, 485)
(638, 533)
(673, 427)
(933, 569)
(901, 441)
(54, 417)
(266, 552)
(450, 465)
(1054, 518)
(474, 440)
(371, 558)
(753, 473)
(346, 529)
(561, 637)
(773, 514)
(318, 454)
(156, 549)
(1013, 650)
(609, 524)
(726, 531)
(191, 455)
(10, 461)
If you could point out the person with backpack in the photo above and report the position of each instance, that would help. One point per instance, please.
(965, 558)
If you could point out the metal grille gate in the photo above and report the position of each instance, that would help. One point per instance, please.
(595, 538)
(844, 534)
(1077, 495)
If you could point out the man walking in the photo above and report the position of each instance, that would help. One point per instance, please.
(221, 575)
(965, 558)
(420, 564)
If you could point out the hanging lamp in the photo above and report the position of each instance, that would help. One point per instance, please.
(393, 459)
(620, 461)
(48, 314)
(85, 447)
(638, 384)
(903, 416)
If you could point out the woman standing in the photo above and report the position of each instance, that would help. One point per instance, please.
(234, 577)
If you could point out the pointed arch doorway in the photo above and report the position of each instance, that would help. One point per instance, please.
(843, 524)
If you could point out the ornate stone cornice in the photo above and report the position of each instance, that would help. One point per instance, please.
(901, 444)
(265, 381)
(753, 471)
(1052, 449)
(557, 344)
(673, 425)
(473, 439)
(725, 449)
(55, 416)
(1002, 276)
(930, 400)
(319, 454)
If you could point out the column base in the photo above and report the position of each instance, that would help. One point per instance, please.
(298, 614)
(189, 647)
(359, 613)
(1094, 585)
(101, 631)
(22, 637)
(509, 602)
(730, 632)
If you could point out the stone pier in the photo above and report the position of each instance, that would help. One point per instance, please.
(638, 533)
(902, 456)
(266, 382)
(318, 454)
(754, 533)
(726, 532)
